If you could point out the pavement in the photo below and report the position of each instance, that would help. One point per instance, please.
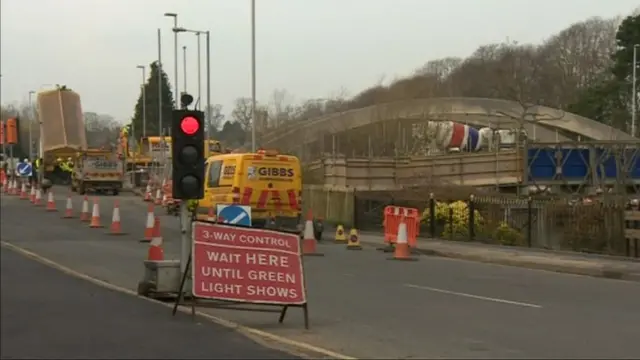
(558, 261)
(47, 314)
(364, 306)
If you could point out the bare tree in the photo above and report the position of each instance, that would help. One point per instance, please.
(102, 130)
(216, 116)
(576, 58)
(281, 109)
(241, 113)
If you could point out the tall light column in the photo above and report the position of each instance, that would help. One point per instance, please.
(253, 75)
(175, 55)
(144, 99)
(184, 68)
(634, 93)
(31, 113)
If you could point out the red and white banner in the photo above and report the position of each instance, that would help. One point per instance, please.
(246, 265)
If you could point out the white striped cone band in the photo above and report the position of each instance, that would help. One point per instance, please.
(156, 241)
(85, 206)
(402, 233)
(96, 210)
(116, 215)
(69, 203)
(150, 220)
(308, 230)
(38, 195)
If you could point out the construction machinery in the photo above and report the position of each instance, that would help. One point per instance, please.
(62, 130)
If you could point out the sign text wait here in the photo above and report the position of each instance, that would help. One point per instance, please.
(247, 265)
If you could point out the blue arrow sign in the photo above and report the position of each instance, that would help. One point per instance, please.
(24, 169)
(234, 214)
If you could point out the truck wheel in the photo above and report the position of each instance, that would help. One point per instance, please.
(81, 190)
(116, 192)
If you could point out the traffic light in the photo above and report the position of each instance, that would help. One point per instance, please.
(187, 150)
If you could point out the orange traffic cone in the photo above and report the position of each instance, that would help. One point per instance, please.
(402, 251)
(23, 192)
(51, 203)
(156, 227)
(95, 215)
(5, 185)
(309, 242)
(116, 228)
(38, 199)
(85, 216)
(12, 187)
(147, 193)
(149, 227)
(158, 200)
(32, 195)
(156, 253)
(68, 209)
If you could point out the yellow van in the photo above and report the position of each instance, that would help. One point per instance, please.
(268, 182)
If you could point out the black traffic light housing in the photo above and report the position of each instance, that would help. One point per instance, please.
(187, 153)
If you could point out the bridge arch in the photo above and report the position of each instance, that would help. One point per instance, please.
(475, 111)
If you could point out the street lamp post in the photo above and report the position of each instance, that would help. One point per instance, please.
(253, 75)
(144, 100)
(31, 124)
(208, 75)
(634, 93)
(199, 102)
(175, 54)
(184, 68)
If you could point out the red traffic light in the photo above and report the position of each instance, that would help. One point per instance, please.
(189, 125)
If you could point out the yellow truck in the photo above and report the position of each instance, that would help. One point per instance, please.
(99, 171)
(62, 130)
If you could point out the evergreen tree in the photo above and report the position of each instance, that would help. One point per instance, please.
(151, 95)
(609, 101)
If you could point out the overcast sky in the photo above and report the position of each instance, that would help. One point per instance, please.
(311, 48)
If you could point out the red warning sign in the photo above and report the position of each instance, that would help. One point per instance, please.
(247, 265)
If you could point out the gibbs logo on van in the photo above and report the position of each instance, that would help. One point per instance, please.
(269, 172)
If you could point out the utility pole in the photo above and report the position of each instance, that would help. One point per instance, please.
(160, 82)
(175, 55)
(253, 75)
(199, 102)
(184, 68)
(31, 118)
(634, 93)
(144, 100)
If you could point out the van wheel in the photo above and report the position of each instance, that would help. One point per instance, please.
(116, 192)
(81, 190)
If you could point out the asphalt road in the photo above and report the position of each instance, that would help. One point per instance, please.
(365, 306)
(47, 314)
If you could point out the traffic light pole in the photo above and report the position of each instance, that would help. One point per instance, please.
(185, 236)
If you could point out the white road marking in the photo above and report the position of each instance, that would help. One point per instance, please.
(471, 296)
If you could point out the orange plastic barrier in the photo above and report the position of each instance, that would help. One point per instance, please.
(392, 217)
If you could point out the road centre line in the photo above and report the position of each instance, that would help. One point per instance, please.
(471, 296)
